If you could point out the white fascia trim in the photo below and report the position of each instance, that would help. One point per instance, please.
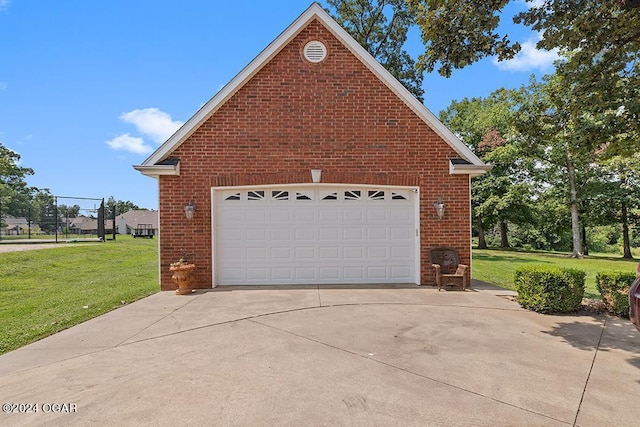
(234, 85)
(317, 12)
(155, 171)
(316, 184)
(471, 170)
(402, 92)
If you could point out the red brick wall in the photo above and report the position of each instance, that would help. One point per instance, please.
(293, 116)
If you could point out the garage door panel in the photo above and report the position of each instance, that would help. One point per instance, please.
(281, 273)
(254, 234)
(257, 274)
(232, 274)
(328, 253)
(280, 254)
(256, 253)
(331, 215)
(352, 233)
(400, 215)
(377, 252)
(281, 215)
(314, 235)
(234, 253)
(305, 273)
(280, 234)
(329, 274)
(305, 253)
(401, 273)
(353, 215)
(255, 215)
(328, 234)
(351, 253)
(377, 215)
(401, 233)
(305, 234)
(305, 215)
(399, 252)
(377, 272)
(377, 233)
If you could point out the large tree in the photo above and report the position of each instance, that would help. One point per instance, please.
(616, 195)
(458, 33)
(14, 192)
(381, 27)
(502, 195)
(563, 139)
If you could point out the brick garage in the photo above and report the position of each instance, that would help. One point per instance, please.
(285, 115)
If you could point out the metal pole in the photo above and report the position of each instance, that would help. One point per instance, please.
(55, 214)
(113, 222)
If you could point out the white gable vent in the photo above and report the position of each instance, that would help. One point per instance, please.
(315, 51)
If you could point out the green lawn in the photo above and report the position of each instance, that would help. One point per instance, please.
(498, 266)
(45, 291)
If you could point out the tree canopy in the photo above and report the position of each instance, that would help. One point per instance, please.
(381, 27)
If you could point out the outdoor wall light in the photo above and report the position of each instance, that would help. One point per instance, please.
(189, 210)
(316, 175)
(439, 206)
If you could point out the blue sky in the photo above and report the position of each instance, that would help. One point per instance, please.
(90, 88)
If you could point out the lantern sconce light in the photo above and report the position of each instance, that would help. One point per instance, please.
(189, 210)
(439, 206)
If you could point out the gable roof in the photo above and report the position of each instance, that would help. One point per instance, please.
(158, 162)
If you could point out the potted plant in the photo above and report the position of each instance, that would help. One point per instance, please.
(183, 276)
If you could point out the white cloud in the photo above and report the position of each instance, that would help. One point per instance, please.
(529, 58)
(152, 122)
(3, 85)
(130, 143)
(4, 4)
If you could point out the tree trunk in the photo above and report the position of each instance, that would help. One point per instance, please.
(504, 240)
(573, 203)
(482, 242)
(626, 243)
(585, 246)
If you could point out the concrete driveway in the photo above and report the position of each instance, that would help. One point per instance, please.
(388, 356)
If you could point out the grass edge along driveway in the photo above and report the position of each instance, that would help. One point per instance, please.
(45, 291)
(48, 290)
(498, 266)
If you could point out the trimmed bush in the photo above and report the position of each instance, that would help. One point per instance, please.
(614, 288)
(548, 289)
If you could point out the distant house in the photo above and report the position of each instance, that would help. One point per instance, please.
(14, 226)
(86, 225)
(128, 222)
(83, 225)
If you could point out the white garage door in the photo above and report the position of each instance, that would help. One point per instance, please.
(314, 234)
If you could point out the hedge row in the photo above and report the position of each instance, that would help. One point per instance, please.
(548, 289)
(614, 288)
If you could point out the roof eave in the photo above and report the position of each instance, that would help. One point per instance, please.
(315, 11)
(154, 171)
(468, 169)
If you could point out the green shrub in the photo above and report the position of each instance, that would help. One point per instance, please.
(614, 288)
(548, 289)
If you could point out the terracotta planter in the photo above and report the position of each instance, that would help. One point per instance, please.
(183, 276)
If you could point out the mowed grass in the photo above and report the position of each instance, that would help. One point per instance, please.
(498, 266)
(47, 290)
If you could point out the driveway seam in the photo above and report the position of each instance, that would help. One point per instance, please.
(408, 371)
(593, 362)
(159, 320)
(293, 310)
